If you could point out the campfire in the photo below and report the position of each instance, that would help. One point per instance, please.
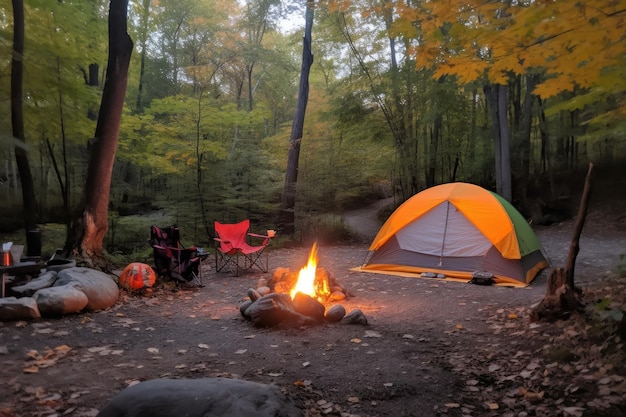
(298, 299)
(309, 282)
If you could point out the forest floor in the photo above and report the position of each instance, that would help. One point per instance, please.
(431, 347)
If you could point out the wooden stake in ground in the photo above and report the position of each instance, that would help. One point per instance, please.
(562, 296)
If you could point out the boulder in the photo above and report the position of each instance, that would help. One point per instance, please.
(43, 281)
(335, 313)
(57, 301)
(13, 309)
(204, 397)
(101, 290)
(356, 316)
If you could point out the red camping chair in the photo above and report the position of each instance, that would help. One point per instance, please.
(233, 242)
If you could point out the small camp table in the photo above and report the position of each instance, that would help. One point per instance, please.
(20, 268)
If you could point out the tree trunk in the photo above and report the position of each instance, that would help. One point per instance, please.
(496, 96)
(91, 219)
(506, 190)
(286, 221)
(145, 14)
(524, 139)
(33, 238)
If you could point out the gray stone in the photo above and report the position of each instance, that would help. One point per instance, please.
(253, 294)
(57, 301)
(356, 316)
(243, 307)
(13, 309)
(43, 281)
(264, 290)
(101, 290)
(205, 397)
(335, 313)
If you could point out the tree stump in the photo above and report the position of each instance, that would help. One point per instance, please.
(561, 299)
(562, 296)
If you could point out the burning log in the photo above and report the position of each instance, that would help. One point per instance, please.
(283, 281)
(308, 306)
(276, 310)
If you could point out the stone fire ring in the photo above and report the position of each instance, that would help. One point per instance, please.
(270, 305)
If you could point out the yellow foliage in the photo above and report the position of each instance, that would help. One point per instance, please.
(572, 42)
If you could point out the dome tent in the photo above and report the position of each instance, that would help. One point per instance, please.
(458, 230)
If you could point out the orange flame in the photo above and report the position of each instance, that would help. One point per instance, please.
(306, 278)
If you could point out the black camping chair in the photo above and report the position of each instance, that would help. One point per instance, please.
(172, 260)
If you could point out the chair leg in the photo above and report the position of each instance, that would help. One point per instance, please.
(256, 260)
(226, 261)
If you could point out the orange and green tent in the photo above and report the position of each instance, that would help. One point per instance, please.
(457, 230)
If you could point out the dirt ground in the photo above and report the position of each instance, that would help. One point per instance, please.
(431, 347)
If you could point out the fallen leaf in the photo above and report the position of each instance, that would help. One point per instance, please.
(493, 406)
(355, 340)
(453, 405)
(153, 350)
(573, 411)
(31, 370)
(530, 395)
(353, 399)
(459, 327)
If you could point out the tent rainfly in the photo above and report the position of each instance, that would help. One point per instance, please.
(460, 231)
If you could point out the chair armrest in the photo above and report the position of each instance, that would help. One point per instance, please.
(261, 236)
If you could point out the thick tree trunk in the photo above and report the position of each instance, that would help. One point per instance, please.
(91, 220)
(497, 98)
(562, 296)
(286, 220)
(33, 238)
(506, 189)
(145, 13)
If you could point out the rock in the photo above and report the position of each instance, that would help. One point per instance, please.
(356, 316)
(204, 397)
(57, 301)
(279, 275)
(101, 290)
(335, 313)
(243, 307)
(264, 290)
(282, 287)
(43, 281)
(253, 294)
(336, 296)
(13, 309)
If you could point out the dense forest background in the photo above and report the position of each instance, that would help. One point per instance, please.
(402, 97)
